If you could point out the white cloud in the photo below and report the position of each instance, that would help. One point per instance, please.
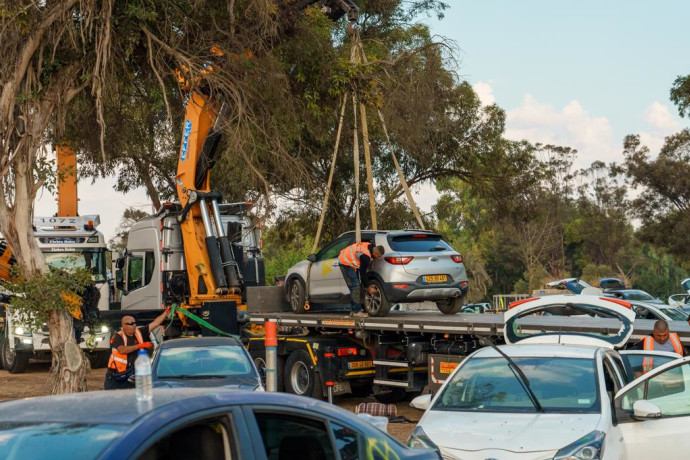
(571, 126)
(660, 119)
(485, 92)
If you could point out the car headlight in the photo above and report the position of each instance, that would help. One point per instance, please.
(105, 329)
(21, 331)
(588, 447)
(419, 440)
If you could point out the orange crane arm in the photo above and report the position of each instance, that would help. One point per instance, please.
(67, 182)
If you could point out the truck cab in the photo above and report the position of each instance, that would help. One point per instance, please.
(152, 273)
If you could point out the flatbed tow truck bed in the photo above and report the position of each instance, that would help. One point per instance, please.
(429, 322)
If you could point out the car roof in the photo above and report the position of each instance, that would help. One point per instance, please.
(392, 232)
(539, 351)
(119, 407)
(201, 342)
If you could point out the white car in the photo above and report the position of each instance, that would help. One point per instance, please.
(560, 395)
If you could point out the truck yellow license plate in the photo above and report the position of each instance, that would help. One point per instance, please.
(360, 364)
(446, 367)
(435, 278)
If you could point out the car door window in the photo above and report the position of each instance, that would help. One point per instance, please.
(346, 441)
(208, 439)
(333, 249)
(290, 436)
(670, 391)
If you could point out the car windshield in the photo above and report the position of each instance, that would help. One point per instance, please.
(676, 314)
(637, 295)
(562, 385)
(212, 361)
(422, 242)
(633, 362)
(92, 260)
(55, 440)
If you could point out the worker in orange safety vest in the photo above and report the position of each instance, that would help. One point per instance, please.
(354, 262)
(661, 339)
(124, 347)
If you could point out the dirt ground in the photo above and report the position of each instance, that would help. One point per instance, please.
(34, 382)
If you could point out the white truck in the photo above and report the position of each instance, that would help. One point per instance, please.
(67, 243)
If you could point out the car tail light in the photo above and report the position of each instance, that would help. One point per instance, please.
(463, 283)
(520, 302)
(261, 243)
(351, 351)
(400, 286)
(399, 260)
(457, 258)
(618, 301)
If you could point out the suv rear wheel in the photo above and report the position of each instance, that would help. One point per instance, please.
(451, 306)
(376, 304)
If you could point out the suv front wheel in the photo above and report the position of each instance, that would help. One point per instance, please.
(296, 296)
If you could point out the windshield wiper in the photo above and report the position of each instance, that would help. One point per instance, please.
(521, 377)
(437, 248)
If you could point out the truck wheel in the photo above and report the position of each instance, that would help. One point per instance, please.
(98, 359)
(301, 377)
(393, 396)
(451, 306)
(296, 296)
(376, 304)
(260, 364)
(13, 362)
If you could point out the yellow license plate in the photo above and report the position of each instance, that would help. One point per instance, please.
(360, 364)
(435, 278)
(447, 368)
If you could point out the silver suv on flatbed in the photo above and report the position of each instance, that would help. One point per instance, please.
(417, 265)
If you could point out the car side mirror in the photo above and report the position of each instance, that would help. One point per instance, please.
(645, 410)
(421, 402)
(120, 263)
(311, 257)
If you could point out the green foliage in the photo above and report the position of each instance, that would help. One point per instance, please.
(36, 297)
(281, 254)
(658, 273)
(680, 94)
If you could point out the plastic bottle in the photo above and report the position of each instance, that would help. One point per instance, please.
(142, 377)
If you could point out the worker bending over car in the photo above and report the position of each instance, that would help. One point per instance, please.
(124, 347)
(354, 262)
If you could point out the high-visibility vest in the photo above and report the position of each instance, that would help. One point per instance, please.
(118, 361)
(648, 342)
(350, 255)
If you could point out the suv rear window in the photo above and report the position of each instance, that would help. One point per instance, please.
(421, 242)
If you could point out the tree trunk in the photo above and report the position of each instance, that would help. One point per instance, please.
(69, 365)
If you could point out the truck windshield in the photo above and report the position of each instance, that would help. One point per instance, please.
(488, 385)
(92, 260)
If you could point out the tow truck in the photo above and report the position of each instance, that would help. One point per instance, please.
(67, 241)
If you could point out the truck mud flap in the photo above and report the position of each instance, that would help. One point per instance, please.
(440, 368)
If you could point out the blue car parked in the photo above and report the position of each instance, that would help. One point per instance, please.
(190, 423)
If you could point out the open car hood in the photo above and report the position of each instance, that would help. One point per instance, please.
(569, 319)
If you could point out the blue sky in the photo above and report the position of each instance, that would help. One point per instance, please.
(581, 74)
(604, 68)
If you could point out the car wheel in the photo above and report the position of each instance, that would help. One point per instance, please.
(98, 359)
(393, 396)
(297, 296)
(260, 363)
(300, 376)
(13, 362)
(376, 304)
(451, 306)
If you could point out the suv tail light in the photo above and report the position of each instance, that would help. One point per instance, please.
(457, 258)
(404, 260)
